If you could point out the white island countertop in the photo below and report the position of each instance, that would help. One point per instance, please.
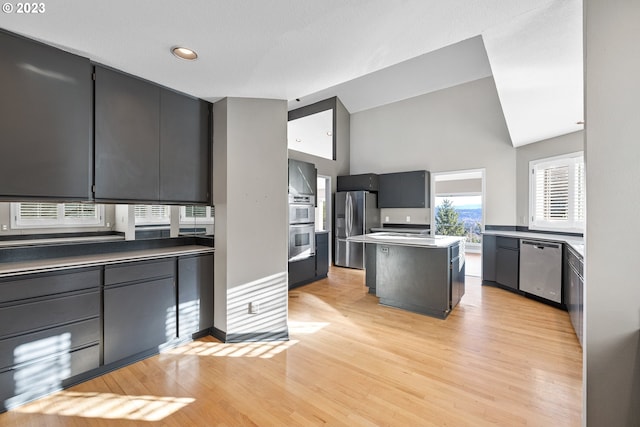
(407, 239)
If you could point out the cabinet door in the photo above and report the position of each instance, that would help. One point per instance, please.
(184, 148)
(489, 258)
(138, 318)
(302, 177)
(127, 120)
(404, 190)
(46, 122)
(507, 265)
(322, 254)
(195, 294)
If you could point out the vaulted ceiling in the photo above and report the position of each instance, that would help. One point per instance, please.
(366, 52)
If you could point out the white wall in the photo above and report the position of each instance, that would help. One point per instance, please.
(612, 135)
(570, 143)
(250, 196)
(452, 129)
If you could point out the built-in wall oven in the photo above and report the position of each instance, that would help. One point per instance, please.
(301, 209)
(301, 226)
(302, 241)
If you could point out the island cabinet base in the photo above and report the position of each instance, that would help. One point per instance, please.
(417, 279)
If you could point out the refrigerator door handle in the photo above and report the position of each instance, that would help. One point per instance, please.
(349, 214)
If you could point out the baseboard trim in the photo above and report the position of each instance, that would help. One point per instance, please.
(249, 336)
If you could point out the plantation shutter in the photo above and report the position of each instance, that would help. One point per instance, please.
(558, 193)
(580, 194)
(552, 193)
(79, 210)
(38, 211)
(195, 211)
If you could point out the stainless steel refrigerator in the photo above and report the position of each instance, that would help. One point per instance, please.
(355, 213)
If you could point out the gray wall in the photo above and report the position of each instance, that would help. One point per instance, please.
(565, 144)
(459, 186)
(453, 129)
(250, 196)
(612, 132)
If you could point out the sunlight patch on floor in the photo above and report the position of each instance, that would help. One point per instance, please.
(107, 406)
(298, 327)
(264, 350)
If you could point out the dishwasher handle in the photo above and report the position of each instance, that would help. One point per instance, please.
(540, 245)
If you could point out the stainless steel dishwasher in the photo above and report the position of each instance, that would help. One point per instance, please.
(541, 269)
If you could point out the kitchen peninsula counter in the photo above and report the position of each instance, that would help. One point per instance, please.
(422, 274)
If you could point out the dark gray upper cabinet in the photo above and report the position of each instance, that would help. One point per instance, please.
(127, 141)
(152, 144)
(361, 182)
(184, 148)
(302, 177)
(46, 98)
(404, 190)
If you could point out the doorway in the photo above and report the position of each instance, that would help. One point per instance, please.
(459, 210)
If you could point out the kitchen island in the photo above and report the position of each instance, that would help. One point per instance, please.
(417, 273)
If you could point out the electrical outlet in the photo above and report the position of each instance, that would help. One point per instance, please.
(4, 227)
(408, 218)
(254, 307)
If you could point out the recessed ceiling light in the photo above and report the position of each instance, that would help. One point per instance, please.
(184, 53)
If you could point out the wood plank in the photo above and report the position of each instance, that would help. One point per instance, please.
(498, 359)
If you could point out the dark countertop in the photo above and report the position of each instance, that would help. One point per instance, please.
(576, 242)
(61, 263)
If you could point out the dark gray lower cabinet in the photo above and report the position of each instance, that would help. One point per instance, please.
(302, 272)
(420, 279)
(574, 290)
(195, 294)
(322, 255)
(49, 332)
(507, 262)
(488, 258)
(139, 308)
(370, 266)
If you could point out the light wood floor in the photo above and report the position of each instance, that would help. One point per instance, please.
(498, 360)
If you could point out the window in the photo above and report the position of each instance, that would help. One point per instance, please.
(196, 214)
(557, 193)
(152, 214)
(53, 215)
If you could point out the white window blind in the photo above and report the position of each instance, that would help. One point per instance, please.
(196, 214)
(152, 214)
(52, 215)
(557, 193)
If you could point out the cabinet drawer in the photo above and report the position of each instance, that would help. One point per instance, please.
(508, 243)
(143, 270)
(28, 347)
(37, 285)
(26, 382)
(36, 315)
